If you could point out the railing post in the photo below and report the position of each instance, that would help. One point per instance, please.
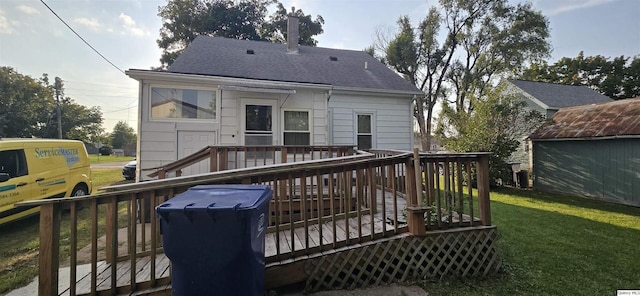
(415, 214)
(111, 227)
(49, 249)
(224, 159)
(284, 193)
(484, 204)
(418, 176)
(213, 159)
(283, 154)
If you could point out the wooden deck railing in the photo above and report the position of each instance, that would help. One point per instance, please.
(222, 158)
(317, 205)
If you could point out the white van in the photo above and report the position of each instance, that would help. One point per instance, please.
(32, 169)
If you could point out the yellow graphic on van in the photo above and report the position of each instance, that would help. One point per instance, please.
(70, 155)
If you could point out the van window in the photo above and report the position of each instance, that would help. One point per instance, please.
(13, 163)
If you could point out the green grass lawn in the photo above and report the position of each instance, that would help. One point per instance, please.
(550, 244)
(20, 240)
(105, 177)
(96, 158)
(557, 245)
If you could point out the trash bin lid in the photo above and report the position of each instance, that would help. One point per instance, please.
(218, 197)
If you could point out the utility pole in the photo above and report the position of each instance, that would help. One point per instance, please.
(58, 86)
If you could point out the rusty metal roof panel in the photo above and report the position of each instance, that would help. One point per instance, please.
(617, 118)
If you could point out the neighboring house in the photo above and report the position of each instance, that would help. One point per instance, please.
(232, 92)
(435, 143)
(547, 99)
(591, 151)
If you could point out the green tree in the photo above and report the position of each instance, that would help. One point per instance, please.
(29, 110)
(275, 30)
(496, 125)
(483, 39)
(184, 20)
(617, 78)
(122, 135)
(26, 104)
(78, 122)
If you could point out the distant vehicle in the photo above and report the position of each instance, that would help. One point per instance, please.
(129, 170)
(32, 169)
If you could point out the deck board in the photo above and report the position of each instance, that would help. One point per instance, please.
(388, 221)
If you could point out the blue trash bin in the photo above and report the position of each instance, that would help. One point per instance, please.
(214, 237)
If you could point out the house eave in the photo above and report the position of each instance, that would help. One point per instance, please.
(375, 90)
(220, 80)
(139, 75)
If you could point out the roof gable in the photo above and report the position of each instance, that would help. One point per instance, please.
(617, 118)
(557, 96)
(217, 56)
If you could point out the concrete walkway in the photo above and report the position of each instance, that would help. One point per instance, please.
(63, 277)
(391, 290)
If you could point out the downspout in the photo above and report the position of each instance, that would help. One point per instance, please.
(140, 111)
(329, 126)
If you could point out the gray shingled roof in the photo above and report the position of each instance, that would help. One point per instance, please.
(217, 56)
(560, 95)
(617, 118)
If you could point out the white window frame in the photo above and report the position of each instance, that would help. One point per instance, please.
(309, 121)
(371, 113)
(215, 90)
(275, 123)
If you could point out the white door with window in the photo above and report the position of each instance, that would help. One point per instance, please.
(190, 142)
(259, 122)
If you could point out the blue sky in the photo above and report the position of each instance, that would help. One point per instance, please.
(34, 41)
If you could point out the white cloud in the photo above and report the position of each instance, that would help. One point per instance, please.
(130, 26)
(559, 7)
(28, 10)
(90, 23)
(127, 21)
(5, 26)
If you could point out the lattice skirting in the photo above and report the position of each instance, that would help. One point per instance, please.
(463, 253)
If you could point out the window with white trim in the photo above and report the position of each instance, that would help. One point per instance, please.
(364, 132)
(296, 128)
(182, 103)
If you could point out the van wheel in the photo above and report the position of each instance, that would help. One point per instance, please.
(79, 190)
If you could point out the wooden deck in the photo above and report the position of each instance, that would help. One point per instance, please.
(345, 230)
(335, 241)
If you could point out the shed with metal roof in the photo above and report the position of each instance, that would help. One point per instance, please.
(546, 98)
(591, 151)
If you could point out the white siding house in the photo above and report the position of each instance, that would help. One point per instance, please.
(363, 119)
(236, 92)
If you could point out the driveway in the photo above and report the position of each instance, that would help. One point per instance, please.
(109, 165)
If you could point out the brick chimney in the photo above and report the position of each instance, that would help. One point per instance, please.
(292, 32)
